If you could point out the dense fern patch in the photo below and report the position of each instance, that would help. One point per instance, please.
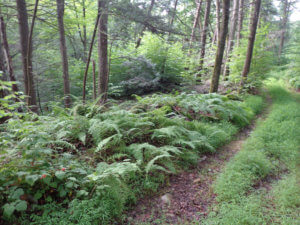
(76, 167)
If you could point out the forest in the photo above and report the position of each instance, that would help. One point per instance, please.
(150, 112)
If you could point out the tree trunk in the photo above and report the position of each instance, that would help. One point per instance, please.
(231, 36)
(26, 52)
(63, 51)
(102, 52)
(217, 20)
(251, 39)
(283, 26)
(84, 31)
(94, 81)
(204, 35)
(7, 54)
(196, 21)
(240, 21)
(221, 45)
(3, 76)
(138, 43)
(173, 14)
(90, 55)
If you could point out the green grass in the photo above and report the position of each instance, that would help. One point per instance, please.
(273, 148)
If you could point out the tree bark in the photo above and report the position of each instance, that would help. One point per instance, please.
(240, 21)
(63, 51)
(94, 81)
(84, 42)
(286, 9)
(231, 36)
(7, 56)
(138, 43)
(251, 39)
(90, 55)
(221, 45)
(204, 35)
(3, 76)
(26, 52)
(217, 20)
(102, 52)
(196, 21)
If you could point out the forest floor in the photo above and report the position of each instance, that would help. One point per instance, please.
(189, 195)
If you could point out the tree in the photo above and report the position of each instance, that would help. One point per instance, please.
(89, 59)
(284, 21)
(26, 52)
(63, 51)
(251, 39)
(7, 56)
(196, 21)
(102, 51)
(221, 46)
(231, 36)
(204, 33)
(240, 21)
(138, 43)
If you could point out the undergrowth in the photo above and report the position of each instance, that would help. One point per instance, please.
(272, 149)
(87, 165)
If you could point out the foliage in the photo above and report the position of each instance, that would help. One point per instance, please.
(262, 60)
(88, 159)
(271, 149)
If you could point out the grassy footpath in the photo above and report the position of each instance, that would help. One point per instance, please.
(270, 158)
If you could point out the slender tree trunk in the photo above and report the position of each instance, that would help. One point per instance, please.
(283, 26)
(84, 31)
(102, 52)
(251, 39)
(231, 36)
(26, 52)
(221, 46)
(63, 51)
(199, 20)
(217, 20)
(7, 54)
(204, 35)
(3, 76)
(82, 35)
(94, 81)
(240, 21)
(196, 21)
(173, 14)
(29, 53)
(138, 43)
(90, 55)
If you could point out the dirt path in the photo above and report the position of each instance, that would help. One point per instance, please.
(189, 194)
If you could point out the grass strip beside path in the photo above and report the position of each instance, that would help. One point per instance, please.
(248, 189)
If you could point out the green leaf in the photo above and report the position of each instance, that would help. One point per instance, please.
(8, 209)
(60, 175)
(82, 137)
(38, 195)
(31, 179)
(21, 206)
(17, 193)
(53, 184)
(82, 193)
(69, 184)
(62, 193)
